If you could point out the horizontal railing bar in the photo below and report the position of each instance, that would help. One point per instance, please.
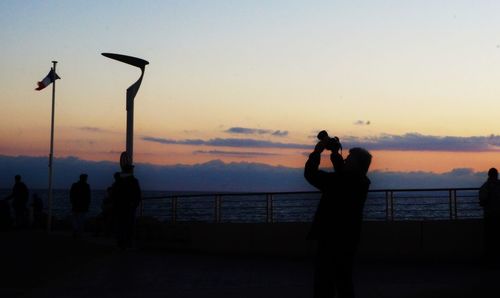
(233, 194)
(211, 195)
(420, 195)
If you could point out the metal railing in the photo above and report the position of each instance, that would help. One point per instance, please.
(271, 207)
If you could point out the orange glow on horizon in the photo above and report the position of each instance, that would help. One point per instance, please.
(108, 149)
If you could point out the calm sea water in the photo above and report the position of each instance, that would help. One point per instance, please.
(431, 205)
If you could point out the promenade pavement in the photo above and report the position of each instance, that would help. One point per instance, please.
(34, 264)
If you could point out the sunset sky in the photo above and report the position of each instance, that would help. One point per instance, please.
(415, 82)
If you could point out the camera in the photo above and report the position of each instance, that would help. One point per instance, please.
(332, 144)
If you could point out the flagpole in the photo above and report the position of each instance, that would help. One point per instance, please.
(51, 154)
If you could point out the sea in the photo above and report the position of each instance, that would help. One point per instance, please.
(404, 205)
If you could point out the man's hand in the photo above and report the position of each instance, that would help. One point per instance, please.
(320, 147)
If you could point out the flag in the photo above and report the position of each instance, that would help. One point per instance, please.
(50, 78)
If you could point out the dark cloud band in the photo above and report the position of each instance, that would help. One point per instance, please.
(93, 129)
(234, 153)
(406, 142)
(214, 176)
(256, 131)
(419, 142)
(238, 143)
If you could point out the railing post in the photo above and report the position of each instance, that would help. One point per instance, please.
(269, 218)
(217, 204)
(452, 199)
(387, 205)
(220, 210)
(454, 192)
(450, 203)
(392, 204)
(174, 209)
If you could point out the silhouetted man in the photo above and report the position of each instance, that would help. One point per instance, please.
(80, 202)
(20, 196)
(337, 222)
(489, 199)
(126, 195)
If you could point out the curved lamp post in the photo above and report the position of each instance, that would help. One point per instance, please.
(127, 156)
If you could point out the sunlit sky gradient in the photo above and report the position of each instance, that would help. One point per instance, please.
(417, 82)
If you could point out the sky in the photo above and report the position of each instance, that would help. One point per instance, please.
(415, 82)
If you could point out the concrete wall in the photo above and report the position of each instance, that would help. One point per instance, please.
(451, 239)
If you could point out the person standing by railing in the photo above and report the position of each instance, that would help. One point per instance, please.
(20, 196)
(337, 222)
(79, 195)
(125, 196)
(489, 199)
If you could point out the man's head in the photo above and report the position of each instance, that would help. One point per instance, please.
(17, 178)
(358, 161)
(493, 174)
(83, 177)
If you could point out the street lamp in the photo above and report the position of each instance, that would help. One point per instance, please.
(127, 156)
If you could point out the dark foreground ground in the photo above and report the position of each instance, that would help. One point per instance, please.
(34, 264)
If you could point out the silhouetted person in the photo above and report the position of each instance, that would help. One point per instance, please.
(105, 218)
(489, 199)
(80, 202)
(37, 206)
(20, 196)
(126, 195)
(107, 208)
(337, 222)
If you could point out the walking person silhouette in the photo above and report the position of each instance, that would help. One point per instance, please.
(337, 221)
(125, 196)
(20, 196)
(80, 202)
(489, 199)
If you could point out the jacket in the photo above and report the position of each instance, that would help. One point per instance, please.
(80, 197)
(340, 211)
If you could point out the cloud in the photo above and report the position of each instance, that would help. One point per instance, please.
(174, 142)
(459, 178)
(213, 176)
(243, 130)
(361, 122)
(80, 142)
(420, 142)
(94, 129)
(405, 142)
(234, 153)
(220, 142)
(66, 171)
(280, 133)
(256, 131)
